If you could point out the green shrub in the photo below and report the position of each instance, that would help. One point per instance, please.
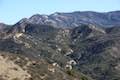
(83, 78)
(70, 72)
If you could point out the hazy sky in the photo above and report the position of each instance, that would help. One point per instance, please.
(12, 11)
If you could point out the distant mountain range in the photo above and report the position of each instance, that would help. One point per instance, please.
(62, 46)
(74, 19)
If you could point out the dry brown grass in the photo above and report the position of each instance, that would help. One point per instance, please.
(10, 71)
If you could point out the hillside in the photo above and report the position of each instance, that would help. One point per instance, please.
(60, 52)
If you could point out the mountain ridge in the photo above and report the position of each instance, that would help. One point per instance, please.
(76, 18)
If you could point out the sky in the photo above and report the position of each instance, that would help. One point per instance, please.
(11, 11)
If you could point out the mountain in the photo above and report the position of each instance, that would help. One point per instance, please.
(42, 51)
(73, 19)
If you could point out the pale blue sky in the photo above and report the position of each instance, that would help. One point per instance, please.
(12, 11)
